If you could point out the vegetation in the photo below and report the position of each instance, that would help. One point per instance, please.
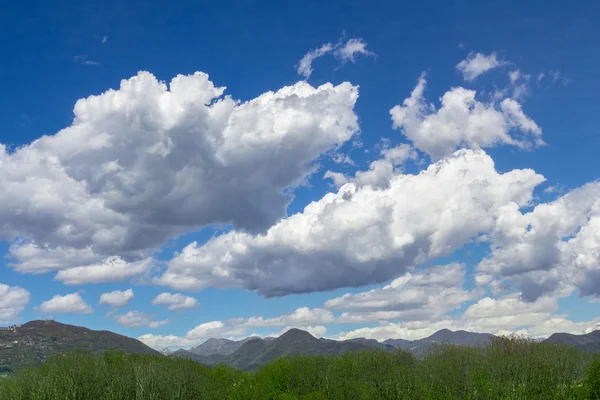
(504, 369)
(33, 342)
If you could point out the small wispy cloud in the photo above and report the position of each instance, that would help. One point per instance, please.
(477, 64)
(304, 66)
(343, 50)
(104, 39)
(82, 59)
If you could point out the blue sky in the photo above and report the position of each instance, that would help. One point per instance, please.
(501, 236)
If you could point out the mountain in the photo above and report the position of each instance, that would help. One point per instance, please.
(33, 342)
(443, 336)
(219, 346)
(258, 352)
(398, 343)
(166, 351)
(588, 342)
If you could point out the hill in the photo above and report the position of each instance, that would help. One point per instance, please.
(258, 352)
(219, 346)
(33, 342)
(589, 342)
(443, 336)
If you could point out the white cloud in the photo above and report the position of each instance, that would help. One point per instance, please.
(360, 235)
(554, 247)
(193, 337)
(117, 298)
(67, 304)
(462, 121)
(152, 160)
(304, 318)
(349, 50)
(136, 319)
(176, 302)
(13, 300)
(82, 59)
(304, 66)
(477, 64)
(506, 315)
(343, 51)
(421, 295)
(113, 269)
(380, 171)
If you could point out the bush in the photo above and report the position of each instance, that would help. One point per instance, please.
(593, 380)
(505, 369)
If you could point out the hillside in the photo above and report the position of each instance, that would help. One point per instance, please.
(589, 342)
(219, 346)
(34, 341)
(443, 336)
(258, 352)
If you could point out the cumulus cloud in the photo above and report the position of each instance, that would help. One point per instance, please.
(117, 298)
(193, 337)
(136, 319)
(552, 248)
(506, 315)
(380, 171)
(13, 300)
(175, 302)
(462, 121)
(477, 64)
(112, 269)
(311, 320)
(422, 295)
(150, 161)
(68, 304)
(359, 235)
(343, 51)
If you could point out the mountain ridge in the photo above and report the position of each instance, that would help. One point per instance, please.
(34, 341)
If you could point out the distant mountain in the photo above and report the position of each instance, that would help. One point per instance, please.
(399, 343)
(258, 352)
(33, 342)
(444, 336)
(588, 342)
(219, 346)
(166, 351)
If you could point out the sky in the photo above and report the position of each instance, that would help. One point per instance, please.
(180, 172)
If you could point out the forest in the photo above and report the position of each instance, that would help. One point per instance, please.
(503, 369)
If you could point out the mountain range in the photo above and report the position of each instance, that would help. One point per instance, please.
(33, 342)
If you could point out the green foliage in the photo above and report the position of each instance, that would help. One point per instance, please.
(505, 369)
(593, 380)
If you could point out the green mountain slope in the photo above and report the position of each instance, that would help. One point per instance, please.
(34, 341)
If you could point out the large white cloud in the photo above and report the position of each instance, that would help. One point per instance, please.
(462, 121)
(551, 248)
(150, 161)
(360, 235)
(13, 300)
(68, 304)
(421, 295)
